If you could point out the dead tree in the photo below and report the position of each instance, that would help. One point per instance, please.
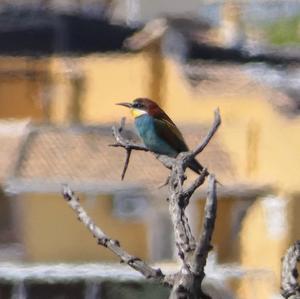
(187, 282)
(290, 288)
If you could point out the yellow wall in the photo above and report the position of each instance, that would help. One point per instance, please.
(263, 144)
(243, 106)
(109, 79)
(224, 241)
(269, 227)
(22, 82)
(265, 236)
(51, 232)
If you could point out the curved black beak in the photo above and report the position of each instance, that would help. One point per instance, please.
(128, 105)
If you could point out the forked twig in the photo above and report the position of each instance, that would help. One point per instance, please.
(122, 142)
(113, 245)
(217, 122)
(187, 282)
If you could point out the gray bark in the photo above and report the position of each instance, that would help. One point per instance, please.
(186, 283)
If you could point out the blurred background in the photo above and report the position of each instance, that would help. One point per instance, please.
(63, 66)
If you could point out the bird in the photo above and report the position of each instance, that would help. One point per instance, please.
(157, 131)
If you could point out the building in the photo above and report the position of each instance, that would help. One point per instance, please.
(134, 210)
(256, 157)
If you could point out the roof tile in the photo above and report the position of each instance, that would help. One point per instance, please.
(83, 154)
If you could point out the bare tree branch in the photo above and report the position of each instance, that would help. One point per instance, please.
(184, 239)
(210, 134)
(122, 142)
(165, 160)
(128, 154)
(187, 282)
(114, 245)
(204, 244)
(289, 274)
(178, 197)
(194, 186)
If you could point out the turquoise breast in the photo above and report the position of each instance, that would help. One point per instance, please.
(145, 125)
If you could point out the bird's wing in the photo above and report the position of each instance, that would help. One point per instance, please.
(168, 131)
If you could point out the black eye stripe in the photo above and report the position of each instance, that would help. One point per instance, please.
(137, 105)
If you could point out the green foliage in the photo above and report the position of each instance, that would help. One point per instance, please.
(285, 31)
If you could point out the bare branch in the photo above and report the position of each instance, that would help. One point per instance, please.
(122, 141)
(125, 143)
(113, 245)
(128, 154)
(131, 146)
(183, 235)
(204, 246)
(289, 274)
(210, 134)
(186, 283)
(196, 184)
(179, 199)
(165, 160)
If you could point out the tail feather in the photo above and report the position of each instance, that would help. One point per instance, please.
(197, 167)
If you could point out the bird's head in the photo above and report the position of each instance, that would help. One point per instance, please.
(142, 106)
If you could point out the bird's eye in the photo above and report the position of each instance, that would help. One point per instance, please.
(137, 105)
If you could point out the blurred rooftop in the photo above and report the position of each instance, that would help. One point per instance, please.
(52, 155)
(82, 27)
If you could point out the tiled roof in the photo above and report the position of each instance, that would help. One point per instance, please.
(82, 154)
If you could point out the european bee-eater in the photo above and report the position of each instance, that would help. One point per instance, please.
(158, 132)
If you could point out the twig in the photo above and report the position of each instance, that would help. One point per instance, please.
(128, 154)
(130, 146)
(165, 183)
(122, 142)
(165, 160)
(178, 197)
(210, 134)
(182, 232)
(204, 246)
(183, 236)
(289, 275)
(187, 282)
(194, 186)
(113, 245)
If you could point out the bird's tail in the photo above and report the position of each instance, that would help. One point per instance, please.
(197, 167)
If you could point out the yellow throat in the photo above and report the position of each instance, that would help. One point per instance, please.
(137, 112)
